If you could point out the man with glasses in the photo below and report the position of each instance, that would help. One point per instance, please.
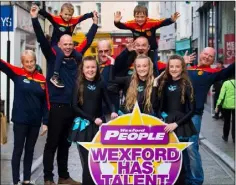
(104, 49)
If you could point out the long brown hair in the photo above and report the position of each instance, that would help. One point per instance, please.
(81, 77)
(131, 96)
(184, 76)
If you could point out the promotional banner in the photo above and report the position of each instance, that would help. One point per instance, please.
(134, 149)
(229, 48)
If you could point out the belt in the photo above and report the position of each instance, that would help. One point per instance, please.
(59, 105)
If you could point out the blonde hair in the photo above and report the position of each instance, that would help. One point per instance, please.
(67, 6)
(26, 53)
(131, 96)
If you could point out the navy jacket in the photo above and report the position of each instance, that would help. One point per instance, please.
(31, 100)
(69, 67)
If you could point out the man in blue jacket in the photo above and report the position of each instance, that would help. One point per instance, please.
(202, 77)
(61, 113)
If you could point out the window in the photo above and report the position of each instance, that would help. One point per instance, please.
(78, 13)
(98, 5)
(143, 3)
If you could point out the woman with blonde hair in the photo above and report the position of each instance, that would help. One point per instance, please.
(137, 87)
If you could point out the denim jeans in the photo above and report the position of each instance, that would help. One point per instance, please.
(193, 163)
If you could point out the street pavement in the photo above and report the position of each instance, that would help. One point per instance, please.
(216, 172)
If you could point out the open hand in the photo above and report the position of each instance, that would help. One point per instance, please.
(189, 58)
(175, 16)
(117, 16)
(34, 11)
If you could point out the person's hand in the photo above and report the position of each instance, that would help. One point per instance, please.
(114, 115)
(95, 17)
(175, 16)
(170, 127)
(111, 59)
(34, 11)
(98, 121)
(117, 16)
(156, 80)
(216, 110)
(189, 58)
(130, 45)
(44, 130)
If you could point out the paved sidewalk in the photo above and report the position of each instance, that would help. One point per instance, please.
(212, 130)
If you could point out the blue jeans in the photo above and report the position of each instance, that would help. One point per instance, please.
(193, 163)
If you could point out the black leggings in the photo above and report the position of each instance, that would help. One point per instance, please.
(24, 135)
(227, 119)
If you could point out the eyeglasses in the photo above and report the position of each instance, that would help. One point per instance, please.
(103, 51)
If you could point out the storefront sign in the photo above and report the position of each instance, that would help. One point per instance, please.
(6, 18)
(134, 149)
(229, 55)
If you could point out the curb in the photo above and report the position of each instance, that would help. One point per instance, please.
(219, 153)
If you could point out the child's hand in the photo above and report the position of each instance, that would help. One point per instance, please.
(175, 16)
(170, 127)
(98, 121)
(44, 130)
(95, 17)
(114, 115)
(111, 59)
(117, 16)
(34, 11)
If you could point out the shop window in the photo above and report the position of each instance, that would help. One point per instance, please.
(78, 13)
(143, 3)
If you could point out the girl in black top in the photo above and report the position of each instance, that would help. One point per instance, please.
(137, 87)
(87, 103)
(175, 102)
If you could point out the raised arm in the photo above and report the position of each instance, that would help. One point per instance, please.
(76, 107)
(224, 74)
(120, 25)
(44, 44)
(51, 18)
(78, 19)
(112, 78)
(86, 43)
(10, 70)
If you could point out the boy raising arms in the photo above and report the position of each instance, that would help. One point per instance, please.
(62, 24)
(144, 26)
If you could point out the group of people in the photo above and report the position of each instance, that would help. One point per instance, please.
(89, 89)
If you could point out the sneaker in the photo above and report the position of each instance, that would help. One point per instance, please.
(30, 183)
(56, 80)
(49, 183)
(225, 138)
(68, 181)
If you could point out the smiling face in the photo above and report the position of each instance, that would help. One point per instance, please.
(66, 44)
(140, 18)
(141, 46)
(175, 68)
(103, 49)
(142, 67)
(90, 69)
(207, 57)
(66, 14)
(28, 61)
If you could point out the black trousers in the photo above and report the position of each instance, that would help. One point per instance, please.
(25, 136)
(59, 124)
(227, 113)
(86, 176)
